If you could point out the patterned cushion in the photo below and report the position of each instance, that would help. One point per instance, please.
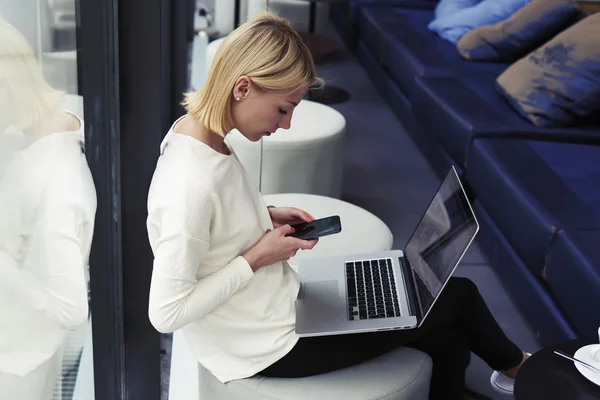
(453, 27)
(528, 28)
(559, 82)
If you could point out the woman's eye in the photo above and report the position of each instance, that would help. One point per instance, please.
(282, 112)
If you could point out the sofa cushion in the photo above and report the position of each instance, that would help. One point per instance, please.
(389, 91)
(344, 15)
(573, 275)
(518, 184)
(453, 27)
(355, 6)
(454, 110)
(457, 109)
(577, 166)
(560, 82)
(399, 39)
(522, 32)
(527, 290)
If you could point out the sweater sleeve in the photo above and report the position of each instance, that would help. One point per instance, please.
(179, 232)
(59, 286)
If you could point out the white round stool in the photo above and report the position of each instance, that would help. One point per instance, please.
(295, 11)
(60, 70)
(402, 374)
(211, 51)
(362, 231)
(307, 158)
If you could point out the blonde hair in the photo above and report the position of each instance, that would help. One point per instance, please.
(33, 97)
(267, 50)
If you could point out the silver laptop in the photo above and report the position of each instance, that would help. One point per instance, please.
(390, 289)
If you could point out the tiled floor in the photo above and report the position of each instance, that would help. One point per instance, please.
(166, 343)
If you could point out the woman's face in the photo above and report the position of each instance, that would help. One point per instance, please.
(259, 113)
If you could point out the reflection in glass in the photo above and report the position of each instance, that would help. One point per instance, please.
(47, 211)
(442, 236)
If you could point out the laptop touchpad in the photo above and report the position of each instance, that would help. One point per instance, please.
(323, 293)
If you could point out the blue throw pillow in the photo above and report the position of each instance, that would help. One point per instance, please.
(516, 36)
(448, 7)
(453, 27)
(559, 83)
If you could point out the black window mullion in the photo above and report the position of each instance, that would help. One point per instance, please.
(133, 70)
(146, 76)
(99, 68)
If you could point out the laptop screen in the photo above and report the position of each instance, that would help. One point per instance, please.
(441, 239)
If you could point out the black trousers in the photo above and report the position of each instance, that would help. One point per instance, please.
(459, 323)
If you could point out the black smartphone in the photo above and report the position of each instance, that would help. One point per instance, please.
(317, 228)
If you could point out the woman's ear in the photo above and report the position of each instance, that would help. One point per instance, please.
(242, 88)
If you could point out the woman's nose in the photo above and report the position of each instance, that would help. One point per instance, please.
(285, 122)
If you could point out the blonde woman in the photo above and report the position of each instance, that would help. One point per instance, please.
(47, 211)
(220, 272)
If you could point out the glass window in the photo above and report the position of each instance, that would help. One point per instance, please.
(47, 207)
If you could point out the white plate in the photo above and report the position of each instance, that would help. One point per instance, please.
(583, 354)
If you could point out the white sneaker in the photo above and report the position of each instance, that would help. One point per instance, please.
(502, 383)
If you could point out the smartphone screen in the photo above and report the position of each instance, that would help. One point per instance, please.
(317, 228)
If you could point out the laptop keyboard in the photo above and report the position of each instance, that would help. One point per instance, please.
(371, 289)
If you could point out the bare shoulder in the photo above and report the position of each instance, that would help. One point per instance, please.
(184, 126)
(73, 123)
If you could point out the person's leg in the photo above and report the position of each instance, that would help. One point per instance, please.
(459, 318)
(485, 337)
(450, 354)
(318, 355)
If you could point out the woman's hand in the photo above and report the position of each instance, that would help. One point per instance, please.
(275, 246)
(288, 215)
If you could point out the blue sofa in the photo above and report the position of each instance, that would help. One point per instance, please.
(536, 191)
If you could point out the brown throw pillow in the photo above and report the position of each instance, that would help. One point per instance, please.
(559, 83)
(525, 30)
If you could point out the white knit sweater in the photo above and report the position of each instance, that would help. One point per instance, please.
(203, 213)
(47, 210)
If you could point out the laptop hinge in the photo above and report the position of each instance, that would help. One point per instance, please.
(413, 300)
